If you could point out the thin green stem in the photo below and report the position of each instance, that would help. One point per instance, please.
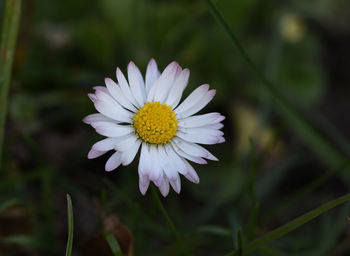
(7, 49)
(168, 221)
(306, 132)
(279, 232)
(70, 226)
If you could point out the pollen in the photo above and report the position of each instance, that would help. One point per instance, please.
(155, 123)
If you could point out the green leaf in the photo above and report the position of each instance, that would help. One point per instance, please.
(70, 226)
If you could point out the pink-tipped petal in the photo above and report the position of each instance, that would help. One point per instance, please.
(152, 74)
(113, 162)
(136, 83)
(95, 153)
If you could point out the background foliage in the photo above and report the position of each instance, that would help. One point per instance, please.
(266, 176)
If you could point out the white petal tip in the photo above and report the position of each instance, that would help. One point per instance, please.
(164, 193)
(193, 178)
(143, 189)
(213, 158)
(131, 64)
(221, 118)
(212, 92)
(108, 80)
(143, 184)
(157, 181)
(221, 140)
(85, 120)
(92, 97)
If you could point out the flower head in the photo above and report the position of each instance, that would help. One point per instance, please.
(146, 113)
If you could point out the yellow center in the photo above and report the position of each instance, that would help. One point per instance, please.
(155, 123)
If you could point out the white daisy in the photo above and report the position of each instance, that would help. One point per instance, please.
(147, 114)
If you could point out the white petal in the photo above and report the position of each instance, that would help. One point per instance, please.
(193, 98)
(113, 130)
(101, 88)
(164, 186)
(161, 86)
(167, 165)
(197, 106)
(95, 153)
(193, 149)
(152, 74)
(143, 185)
(96, 118)
(137, 85)
(201, 120)
(92, 97)
(145, 161)
(126, 142)
(200, 138)
(113, 162)
(177, 89)
(99, 123)
(217, 126)
(176, 160)
(156, 172)
(176, 184)
(129, 155)
(113, 111)
(163, 92)
(192, 158)
(124, 86)
(116, 92)
(105, 145)
(202, 130)
(191, 174)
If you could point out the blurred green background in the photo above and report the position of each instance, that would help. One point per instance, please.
(66, 47)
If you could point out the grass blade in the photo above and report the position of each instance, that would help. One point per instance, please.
(286, 109)
(113, 244)
(281, 231)
(70, 226)
(7, 49)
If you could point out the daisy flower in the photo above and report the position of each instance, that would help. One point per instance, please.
(145, 113)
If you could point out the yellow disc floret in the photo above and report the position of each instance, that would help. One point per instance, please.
(155, 123)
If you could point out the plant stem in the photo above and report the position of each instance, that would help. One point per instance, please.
(168, 221)
(306, 132)
(7, 49)
(279, 232)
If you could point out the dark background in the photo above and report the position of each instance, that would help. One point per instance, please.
(66, 47)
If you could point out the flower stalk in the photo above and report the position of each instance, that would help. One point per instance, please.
(169, 221)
